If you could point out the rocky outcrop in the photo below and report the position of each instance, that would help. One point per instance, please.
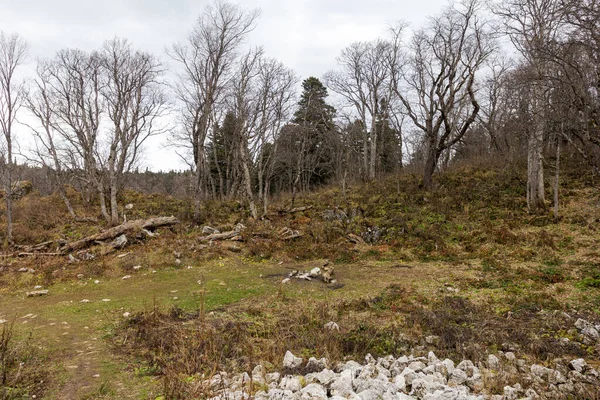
(410, 377)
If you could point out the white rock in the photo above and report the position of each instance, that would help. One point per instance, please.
(457, 377)
(126, 277)
(539, 371)
(581, 324)
(291, 361)
(331, 326)
(126, 314)
(314, 391)
(342, 385)
(493, 362)
(325, 377)
(578, 365)
(409, 375)
(273, 377)
(417, 366)
(431, 358)
(258, 374)
(290, 382)
(400, 383)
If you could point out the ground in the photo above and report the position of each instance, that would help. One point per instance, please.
(476, 273)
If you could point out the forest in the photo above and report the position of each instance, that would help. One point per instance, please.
(512, 83)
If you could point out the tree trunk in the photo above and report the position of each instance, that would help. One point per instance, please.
(430, 164)
(248, 180)
(114, 207)
(8, 190)
(557, 178)
(373, 158)
(102, 198)
(535, 168)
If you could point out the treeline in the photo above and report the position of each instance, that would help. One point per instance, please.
(444, 93)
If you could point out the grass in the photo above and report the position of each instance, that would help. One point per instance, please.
(464, 263)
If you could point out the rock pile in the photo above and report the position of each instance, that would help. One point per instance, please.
(588, 333)
(409, 377)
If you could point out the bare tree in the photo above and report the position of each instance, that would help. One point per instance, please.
(365, 83)
(207, 61)
(13, 51)
(439, 85)
(532, 26)
(135, 102)
(68, 103)
(47, 149)
(275, 94)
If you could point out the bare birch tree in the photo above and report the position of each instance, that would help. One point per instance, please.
(207, 60)
(365, 83)
(532, 26)
(135, 102)
(13, 51)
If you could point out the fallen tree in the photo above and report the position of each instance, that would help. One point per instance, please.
(137, 225)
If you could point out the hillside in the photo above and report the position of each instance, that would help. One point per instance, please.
(463, 271)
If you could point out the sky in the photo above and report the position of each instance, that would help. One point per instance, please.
(306, 35)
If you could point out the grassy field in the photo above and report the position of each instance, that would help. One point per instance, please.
(463, 271)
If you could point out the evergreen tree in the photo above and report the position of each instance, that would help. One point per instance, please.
(316, 137)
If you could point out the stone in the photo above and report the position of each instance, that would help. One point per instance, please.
(128, 206)
(432, 339)
(556, 377)
(578, 365)
(119, 242)
(467, 366)
(400, 383)
(417, 366)
(37, 293)
(314, 391)
(449, 364)
(409, 375)
(581, 324)
(290, 382)
(342, 385)
(273, 377)
(539, 371)
(493, 362)
(290, 361)
(316, 365)
(457, 377)
(331, 326)
(325, 377)
(258, 374)
(431, 358)
(385, 362)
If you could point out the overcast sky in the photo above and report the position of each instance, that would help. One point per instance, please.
(306, 35)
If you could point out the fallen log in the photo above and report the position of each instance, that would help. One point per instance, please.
(295, 210)
(127, 227)
(30, 254)
(288, 234)
(233, 235)
(219, 236)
